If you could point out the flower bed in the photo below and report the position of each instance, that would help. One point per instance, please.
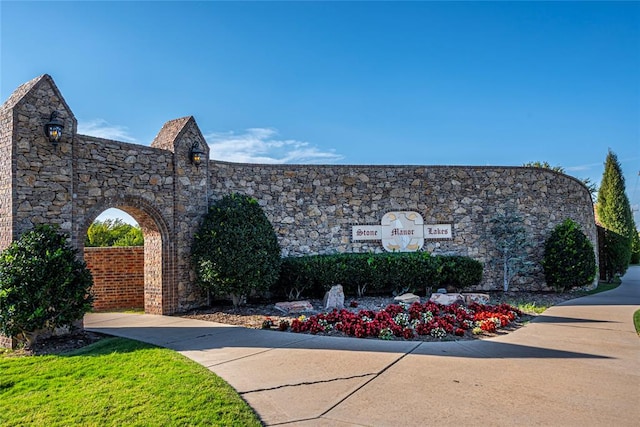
(400, 321)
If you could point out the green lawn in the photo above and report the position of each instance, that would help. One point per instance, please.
(116, 382)
(636, 321)
(603, 286)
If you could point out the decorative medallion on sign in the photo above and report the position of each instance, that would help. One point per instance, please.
(402, 231)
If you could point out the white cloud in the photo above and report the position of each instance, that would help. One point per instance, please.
(586, 167)
(262, 145)
(103, 129)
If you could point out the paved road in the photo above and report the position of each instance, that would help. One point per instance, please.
(578, 364)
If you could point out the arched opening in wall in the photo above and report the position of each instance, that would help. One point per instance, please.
(128, 277)
(114, 252)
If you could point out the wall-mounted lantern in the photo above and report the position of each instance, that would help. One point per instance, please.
(53, 128)
(196, 154)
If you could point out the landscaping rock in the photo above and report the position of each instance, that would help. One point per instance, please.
(294, 306)
(408, 298)
(334, 298)
(477, 298)
(447, 299)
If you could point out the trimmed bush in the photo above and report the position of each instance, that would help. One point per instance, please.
(458, 272)
(236, 251)
(43, 285)
(385, 273)
(569, 260)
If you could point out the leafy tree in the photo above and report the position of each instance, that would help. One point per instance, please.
(43, 285)
(113, 232)
(510, 239)
(614, 211)
(236, 251)
(569, 259)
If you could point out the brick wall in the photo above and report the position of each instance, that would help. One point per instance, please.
(7, 342)
(118, 277)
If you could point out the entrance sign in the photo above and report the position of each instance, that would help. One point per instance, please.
(437, 231)
(403, 231)
(366, 232)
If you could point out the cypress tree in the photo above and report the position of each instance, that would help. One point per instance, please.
(614, 210)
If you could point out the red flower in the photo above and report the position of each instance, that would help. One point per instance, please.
(407, 333)
(423, 319)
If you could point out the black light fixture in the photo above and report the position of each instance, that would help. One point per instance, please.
(196, 154)
(53, 128)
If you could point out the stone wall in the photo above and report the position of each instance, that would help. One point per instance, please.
(118, 277)
(313, 207)
(138, 180)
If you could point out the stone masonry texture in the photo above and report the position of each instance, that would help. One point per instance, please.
(312, 207)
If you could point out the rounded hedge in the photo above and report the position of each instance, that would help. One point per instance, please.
(236, 251)
(569, 259)
(43, 285)
(373, 274)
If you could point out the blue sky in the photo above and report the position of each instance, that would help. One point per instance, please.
(433, 83)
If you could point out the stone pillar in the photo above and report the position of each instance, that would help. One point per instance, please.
(190, 200)
(36, 186)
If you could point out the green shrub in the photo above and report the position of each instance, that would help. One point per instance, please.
(569, 260)
(385, 273)
(459, 272)
(296, 279)
(397, 273)
(43, 285)
(236, 251)
(613, 251)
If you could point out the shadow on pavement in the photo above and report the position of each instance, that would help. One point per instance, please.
(204, 339)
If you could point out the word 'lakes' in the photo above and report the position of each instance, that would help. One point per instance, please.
(437, 231)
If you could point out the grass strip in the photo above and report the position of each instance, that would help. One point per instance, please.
(537, 307)
(636, 321)
(116, 382)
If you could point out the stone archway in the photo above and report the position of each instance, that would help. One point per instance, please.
(160, 293)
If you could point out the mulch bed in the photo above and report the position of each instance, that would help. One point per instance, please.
(60, 344)
(253, 315)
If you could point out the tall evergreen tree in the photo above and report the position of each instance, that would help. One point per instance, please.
(614, 210)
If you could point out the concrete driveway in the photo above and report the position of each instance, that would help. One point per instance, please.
(578, 364)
